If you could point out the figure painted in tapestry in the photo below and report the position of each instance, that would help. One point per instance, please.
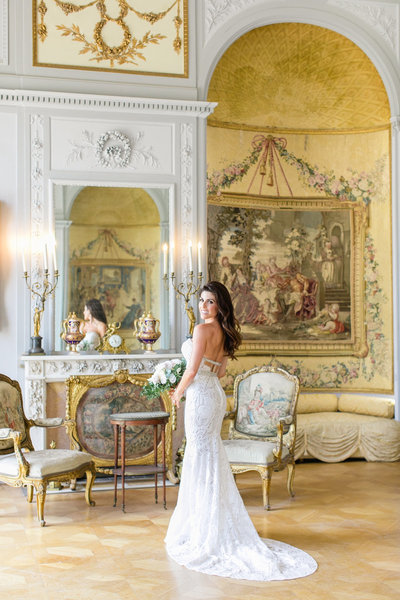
(288, 272)
(261, 406)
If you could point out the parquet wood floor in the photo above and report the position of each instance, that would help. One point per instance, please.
(346, 515)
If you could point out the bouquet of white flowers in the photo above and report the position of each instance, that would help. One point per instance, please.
(167, 375)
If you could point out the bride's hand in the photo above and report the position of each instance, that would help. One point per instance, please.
(175, 398)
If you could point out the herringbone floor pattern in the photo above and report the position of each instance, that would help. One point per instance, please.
(346, 515)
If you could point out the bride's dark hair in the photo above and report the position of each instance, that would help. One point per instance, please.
(226, 316)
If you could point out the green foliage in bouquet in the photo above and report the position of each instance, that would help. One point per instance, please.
(166, 376)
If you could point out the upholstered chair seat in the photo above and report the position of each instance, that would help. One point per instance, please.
(252, 451)
(45, 463)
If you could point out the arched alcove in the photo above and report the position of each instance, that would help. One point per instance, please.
(301, 136)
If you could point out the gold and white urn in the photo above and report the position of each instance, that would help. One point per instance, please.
(147, 331)
(71, 331)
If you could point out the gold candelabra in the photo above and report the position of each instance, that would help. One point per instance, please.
(42, 290)
(186, 289)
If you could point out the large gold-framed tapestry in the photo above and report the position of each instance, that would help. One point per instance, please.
(294, 268)
(147, 37)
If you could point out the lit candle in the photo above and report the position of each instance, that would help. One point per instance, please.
(190, 255)
(171, 257)
(165, 252)
(23, 261)
(46, 266)
(199, 257)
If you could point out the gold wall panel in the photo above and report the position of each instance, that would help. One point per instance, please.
(147, 37)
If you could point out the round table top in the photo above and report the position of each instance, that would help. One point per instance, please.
(139, 416)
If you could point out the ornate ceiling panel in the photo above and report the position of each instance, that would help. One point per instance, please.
(297, 76)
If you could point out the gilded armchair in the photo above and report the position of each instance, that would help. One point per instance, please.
(263, 427)
(21, 465)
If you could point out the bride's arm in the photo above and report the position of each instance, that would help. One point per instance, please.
(198, 349)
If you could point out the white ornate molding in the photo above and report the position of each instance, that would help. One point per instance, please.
(383, 17)
(395, 121)
(58, 367)
(3, 32)
(37, 195)
(112, 104)
(113, 149)
(187, 180)
(217, 12)
(35, 398)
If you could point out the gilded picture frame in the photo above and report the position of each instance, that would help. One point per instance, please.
(133, 37)
(295, 271)
(91, 399)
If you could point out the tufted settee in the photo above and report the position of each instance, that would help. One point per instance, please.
(333, 428)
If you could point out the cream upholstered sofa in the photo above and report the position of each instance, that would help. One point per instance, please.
(333, 428)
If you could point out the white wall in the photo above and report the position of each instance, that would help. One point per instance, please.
(10, 277)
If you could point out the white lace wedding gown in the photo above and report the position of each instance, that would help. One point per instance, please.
(210, 530)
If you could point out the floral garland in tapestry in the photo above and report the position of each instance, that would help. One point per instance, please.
(358, 186)
(139, 254)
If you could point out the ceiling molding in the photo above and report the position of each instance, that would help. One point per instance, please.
(35, 99)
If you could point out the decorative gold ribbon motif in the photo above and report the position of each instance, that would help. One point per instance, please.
(130, 50)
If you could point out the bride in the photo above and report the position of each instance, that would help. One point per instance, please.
(210, 530)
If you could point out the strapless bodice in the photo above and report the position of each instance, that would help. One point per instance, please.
(187, 347)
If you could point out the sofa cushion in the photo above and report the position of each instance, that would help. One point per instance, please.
(336, 436)
(312, 403)
(366, 405)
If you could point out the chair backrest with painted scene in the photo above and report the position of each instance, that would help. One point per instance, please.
(12, 415)
(262, 397)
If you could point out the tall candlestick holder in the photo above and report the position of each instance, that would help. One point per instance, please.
(186, 289)
(42, 290)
